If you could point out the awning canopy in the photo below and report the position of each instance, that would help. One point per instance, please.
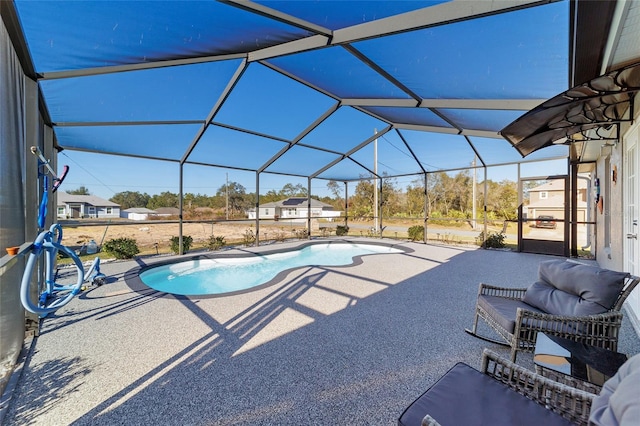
(585, 112)
(301, 88)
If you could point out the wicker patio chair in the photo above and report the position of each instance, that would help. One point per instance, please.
(571, 403)
(468, 396)
(518, 322)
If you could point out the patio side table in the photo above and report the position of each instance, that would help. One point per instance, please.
(575, 364)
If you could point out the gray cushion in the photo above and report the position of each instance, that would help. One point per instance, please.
(503, 310)
(573, 289)
(465, 396)
(619, 401)
(553, 301)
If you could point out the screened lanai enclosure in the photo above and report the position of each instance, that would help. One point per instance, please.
(315, 91)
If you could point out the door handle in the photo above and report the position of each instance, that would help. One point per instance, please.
(634, 236)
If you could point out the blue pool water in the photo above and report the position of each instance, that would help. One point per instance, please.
(225, 275)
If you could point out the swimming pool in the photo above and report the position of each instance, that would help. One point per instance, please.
(226, 274)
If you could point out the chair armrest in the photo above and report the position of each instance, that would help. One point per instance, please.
(508, 293)
(599, 330)
(631, 283)
(571, 403)
(429, 421)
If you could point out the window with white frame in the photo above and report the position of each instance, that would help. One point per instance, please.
(60, 211)
(544, 195)
(109, 210)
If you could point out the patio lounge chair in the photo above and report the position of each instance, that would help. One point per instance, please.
(503, 393)
(570, 300)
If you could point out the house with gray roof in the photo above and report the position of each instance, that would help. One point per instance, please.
(549, 199)
(294, 208)
(85, 206)
(137, 213)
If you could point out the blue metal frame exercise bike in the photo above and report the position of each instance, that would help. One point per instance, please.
(50, 294)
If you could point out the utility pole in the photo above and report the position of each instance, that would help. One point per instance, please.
(473, 204)
(375, 182)
(227, 195)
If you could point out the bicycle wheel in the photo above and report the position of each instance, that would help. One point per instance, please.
(51, 295)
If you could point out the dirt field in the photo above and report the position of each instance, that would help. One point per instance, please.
(147, 235)
(154, 237)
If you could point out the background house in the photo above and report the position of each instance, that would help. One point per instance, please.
(137, 213)
(166, 212)
(294, 208)
(548, 199)
(85, 206)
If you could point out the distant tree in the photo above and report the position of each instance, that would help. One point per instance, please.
(290, 190)
(390, 198)
(287, 191)
(362, 202)
(270, 197)
(164, 199)
(449, 194)
(237, 195)
(414, 201)
(337, 203)
(361, 205)
(335, 188)
(203, 200)
(462, 194)
(217, 201)
(129, 199)
(248, 200)
(435, 192)
(502, 199)
(82, 190)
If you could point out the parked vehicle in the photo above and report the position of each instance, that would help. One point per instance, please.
(546, 222)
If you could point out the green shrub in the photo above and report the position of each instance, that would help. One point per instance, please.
(493, 240)
(121, 248)
(186, 244)
(342, 230)
(215, 243)
(416, 233)
(249, 237)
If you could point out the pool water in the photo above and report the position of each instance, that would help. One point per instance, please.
(225, 275)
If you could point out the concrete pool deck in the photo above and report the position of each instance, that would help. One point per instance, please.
(325, 346)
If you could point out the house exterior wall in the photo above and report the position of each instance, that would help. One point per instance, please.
(629, 183)
(289, 213)
(134, 216)
(610, 224)
(293, 213)
(85, 211)
(536, 195)
(267, 213)
(553, 204)
(318, 212)
(100, 212)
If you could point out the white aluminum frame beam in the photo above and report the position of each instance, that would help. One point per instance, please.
(445, 13)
